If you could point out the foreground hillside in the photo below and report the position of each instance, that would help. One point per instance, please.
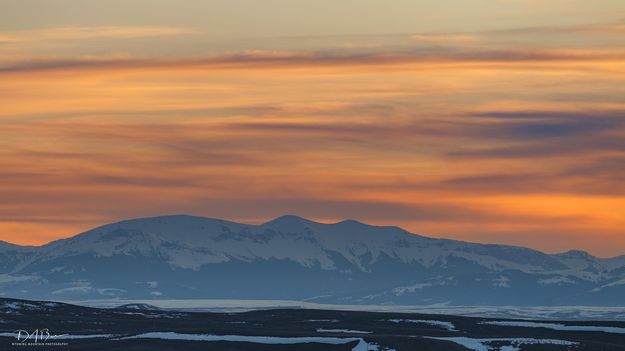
(182, 257)
(144, 327)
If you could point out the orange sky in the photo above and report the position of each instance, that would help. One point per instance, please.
(485, 135)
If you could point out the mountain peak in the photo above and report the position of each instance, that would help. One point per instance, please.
(289, 222)
(168, 218)
(181, 222)
(290, 217)
(350, 222)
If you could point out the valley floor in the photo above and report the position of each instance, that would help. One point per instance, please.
(60, 326)
(582, 313)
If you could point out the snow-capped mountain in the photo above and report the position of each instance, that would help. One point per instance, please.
(298, 259)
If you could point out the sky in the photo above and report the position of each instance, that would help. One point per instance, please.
(498, 121)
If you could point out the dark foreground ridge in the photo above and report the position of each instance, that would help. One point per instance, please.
(138, 328)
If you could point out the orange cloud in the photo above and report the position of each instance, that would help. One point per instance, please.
(513, 147)
(283, 60)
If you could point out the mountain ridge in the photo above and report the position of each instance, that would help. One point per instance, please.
(4, 244)
(291, 257)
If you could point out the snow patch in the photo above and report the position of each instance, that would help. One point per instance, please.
(272, 340)
(514, 343)
(445, 325)
(556, 281)
(16, 306)
(322, 320)
(84, 288)
(7, 278)
(349, 331)
(501, 282)
(557, 326)
(437, 281)
(614, 283)
(93, 336)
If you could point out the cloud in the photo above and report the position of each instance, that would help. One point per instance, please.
(603, 28)
(548, 148)
(526, 126)
(45, 220)
(595, 177)
(469, 143)
(282, 60)
(552, 124)
(80, 33)
(606, 170)
(458, 38)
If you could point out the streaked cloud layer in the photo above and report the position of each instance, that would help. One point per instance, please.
(497, 134)
(78, 33)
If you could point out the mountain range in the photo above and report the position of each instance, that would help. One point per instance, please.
(188, 257)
